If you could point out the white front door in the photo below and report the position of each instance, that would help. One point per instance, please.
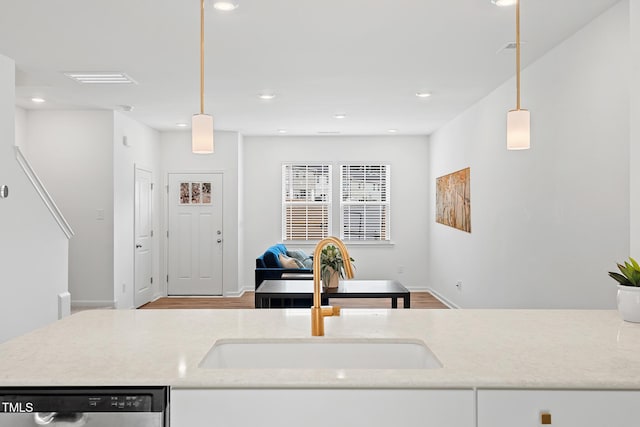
(143, 260)
(195, 234)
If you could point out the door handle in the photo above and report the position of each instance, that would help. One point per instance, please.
(138, 246)
(219, 240)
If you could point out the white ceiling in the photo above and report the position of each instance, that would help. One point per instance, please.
(366, 58)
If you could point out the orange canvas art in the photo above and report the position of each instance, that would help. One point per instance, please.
(453, 200)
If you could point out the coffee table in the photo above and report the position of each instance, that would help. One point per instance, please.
(303, 289)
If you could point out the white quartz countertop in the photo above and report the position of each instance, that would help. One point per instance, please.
(575, 349)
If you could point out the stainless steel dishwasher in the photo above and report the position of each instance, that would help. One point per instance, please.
(84, 406)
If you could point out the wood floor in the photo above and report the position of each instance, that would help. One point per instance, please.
(418, 300)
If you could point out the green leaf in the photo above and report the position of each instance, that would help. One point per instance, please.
(634, 263)
(624, 269)
(634, 277)
(620, 278)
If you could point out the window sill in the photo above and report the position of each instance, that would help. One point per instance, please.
(312, 244)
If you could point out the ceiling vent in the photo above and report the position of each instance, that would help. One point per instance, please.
(509, 47)
(104, 77)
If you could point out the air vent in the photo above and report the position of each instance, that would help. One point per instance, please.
(509, 47)
(105, 77)
(328, 132)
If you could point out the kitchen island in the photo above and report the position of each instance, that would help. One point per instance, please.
(480, 351)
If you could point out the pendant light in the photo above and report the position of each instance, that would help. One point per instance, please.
(226, 5)
(202, 124)
(518, 120)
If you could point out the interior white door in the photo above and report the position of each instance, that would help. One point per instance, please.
(195, 234)
(143, 260)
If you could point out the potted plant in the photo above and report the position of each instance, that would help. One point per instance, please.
(628, 290)
(331, 267)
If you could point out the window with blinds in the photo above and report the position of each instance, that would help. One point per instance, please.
(364, 202)
(306, 201)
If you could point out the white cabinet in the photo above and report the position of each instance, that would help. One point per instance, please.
(567, 408)
(316, 408)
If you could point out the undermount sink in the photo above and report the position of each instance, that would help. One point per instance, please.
(322, 353)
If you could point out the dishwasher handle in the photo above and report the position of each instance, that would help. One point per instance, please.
(71, 419)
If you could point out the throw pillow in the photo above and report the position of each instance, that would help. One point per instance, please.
(300, 255)
(288, 262)
(308, 263)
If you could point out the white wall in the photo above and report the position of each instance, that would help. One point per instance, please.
(33, 249)
(176, 157)
(634, 158)
(547, 223)
(143, 152)
(72, 152)
(263, 158)
(21, 128)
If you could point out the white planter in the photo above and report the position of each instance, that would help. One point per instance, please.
(334, 280)
(629, 303)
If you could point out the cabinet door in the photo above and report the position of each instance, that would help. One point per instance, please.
(567, 408)
(321, 408)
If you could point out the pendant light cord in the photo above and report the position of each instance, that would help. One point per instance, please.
(201, 56)
(518, 53)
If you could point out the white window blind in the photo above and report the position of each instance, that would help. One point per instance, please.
(306, 201)
(364, 202)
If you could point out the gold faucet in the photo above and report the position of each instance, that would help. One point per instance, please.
(318, 313)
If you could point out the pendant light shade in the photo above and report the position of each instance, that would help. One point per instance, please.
(518, 120)
(202, 134)
(202, 124)
(226, 5)
(518, 130)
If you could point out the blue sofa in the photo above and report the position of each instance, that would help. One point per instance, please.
(268, 267)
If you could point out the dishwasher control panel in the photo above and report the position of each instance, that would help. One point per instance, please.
(75, 400)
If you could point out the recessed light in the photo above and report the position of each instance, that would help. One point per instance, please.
(181, 125)
(340, 116)
(392, 130)
(226, 5)
(504, 2)
(282, 131)
(38, 100)
(423, 94)
(267, 96)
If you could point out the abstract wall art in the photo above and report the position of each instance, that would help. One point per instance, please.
(453, 200)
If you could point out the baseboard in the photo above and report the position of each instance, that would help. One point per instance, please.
(442, 299)
(418, 289)
(236, 294)
(157, 297)
(92, 304)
